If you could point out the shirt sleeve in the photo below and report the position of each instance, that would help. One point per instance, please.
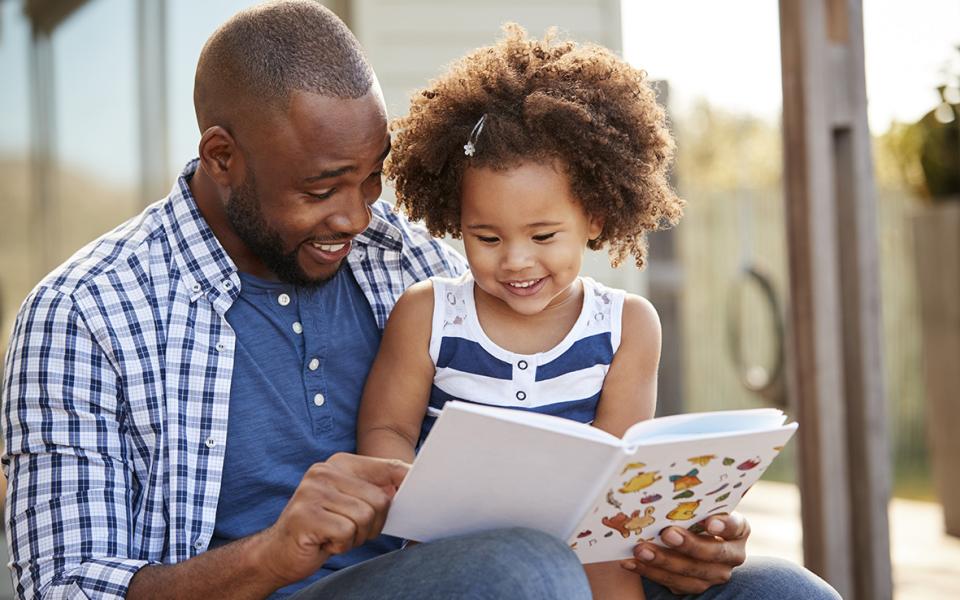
(70, 488)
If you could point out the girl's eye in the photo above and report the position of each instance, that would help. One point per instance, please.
(544, 236)
(487, 239)
(322, 195)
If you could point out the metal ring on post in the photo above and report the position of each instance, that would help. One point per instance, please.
(765, 381)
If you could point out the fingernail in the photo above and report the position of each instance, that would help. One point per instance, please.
(672, 538)
(629, 565)
(645, 554)
(715, 527)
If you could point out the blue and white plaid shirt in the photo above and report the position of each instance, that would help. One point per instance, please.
(117, 389)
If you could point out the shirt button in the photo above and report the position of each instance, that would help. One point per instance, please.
(522, 365)
(221, 346)
(283, 299)
(297, 327)
(521, 395)
(195, 287)
(314, 364)
(319, 400)
(227, 284)
(198, 544)
(210, 442)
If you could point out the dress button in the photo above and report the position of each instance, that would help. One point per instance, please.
(297, 327)
(521, 395)
(210, 442)
(319, 400)
(283, 299)
(314, 364)
(522, 365)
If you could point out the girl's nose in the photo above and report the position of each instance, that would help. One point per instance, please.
(517, 257)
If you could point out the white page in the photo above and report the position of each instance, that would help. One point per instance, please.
(704, 424)
(510, 474)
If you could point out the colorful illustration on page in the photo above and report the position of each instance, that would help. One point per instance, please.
(663, 491)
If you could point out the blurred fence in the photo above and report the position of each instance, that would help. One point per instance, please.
(722, 232)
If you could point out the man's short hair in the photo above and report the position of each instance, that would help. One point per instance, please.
(262, 54)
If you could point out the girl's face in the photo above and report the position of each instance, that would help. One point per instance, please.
(524, 234)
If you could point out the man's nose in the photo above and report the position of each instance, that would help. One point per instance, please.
(352, 216)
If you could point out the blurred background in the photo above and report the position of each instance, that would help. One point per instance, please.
(96, 119)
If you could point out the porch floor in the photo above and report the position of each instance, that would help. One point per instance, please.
(926, 562)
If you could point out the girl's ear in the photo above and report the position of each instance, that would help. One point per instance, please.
(595, 227)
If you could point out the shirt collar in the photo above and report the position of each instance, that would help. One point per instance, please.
(203, 262)
(380, 232)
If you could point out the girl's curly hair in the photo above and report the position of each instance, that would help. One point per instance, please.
(543, 100)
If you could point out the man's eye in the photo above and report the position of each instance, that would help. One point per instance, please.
(544, 236)
(322, 195)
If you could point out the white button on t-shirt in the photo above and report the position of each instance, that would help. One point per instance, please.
(319, 400)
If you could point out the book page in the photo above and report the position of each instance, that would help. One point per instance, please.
(678, 482)
(478, 471)
(704, 424)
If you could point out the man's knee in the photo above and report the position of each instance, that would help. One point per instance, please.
(531, 564)
(781, 579)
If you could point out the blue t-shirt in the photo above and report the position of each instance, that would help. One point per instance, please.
(302, 359)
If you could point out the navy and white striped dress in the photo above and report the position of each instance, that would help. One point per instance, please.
(564, 381)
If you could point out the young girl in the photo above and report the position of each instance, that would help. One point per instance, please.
(530, 151)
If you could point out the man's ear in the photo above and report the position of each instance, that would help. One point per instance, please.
(221, 158)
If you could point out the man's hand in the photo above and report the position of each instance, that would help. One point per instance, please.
(694, 562)
(340, 504)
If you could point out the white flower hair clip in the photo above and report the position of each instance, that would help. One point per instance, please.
(470, 148)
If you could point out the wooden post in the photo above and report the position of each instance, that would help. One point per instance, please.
(835, 366)
(152, 99)
(665, 284)
(42, 156)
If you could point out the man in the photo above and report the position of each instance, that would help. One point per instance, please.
(181, 395)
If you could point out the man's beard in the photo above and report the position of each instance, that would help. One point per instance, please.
(246, 218)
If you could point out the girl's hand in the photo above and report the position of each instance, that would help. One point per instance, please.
(694, 562)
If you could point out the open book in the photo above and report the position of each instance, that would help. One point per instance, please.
(483, 468)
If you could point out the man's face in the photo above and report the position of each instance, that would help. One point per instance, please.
(310, 180)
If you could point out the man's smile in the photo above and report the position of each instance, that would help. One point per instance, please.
(328, 252)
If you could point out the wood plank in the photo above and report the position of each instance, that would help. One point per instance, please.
(835, 368)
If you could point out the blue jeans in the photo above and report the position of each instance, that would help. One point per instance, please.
(508, 563)
(522, 563)
(759, 578)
